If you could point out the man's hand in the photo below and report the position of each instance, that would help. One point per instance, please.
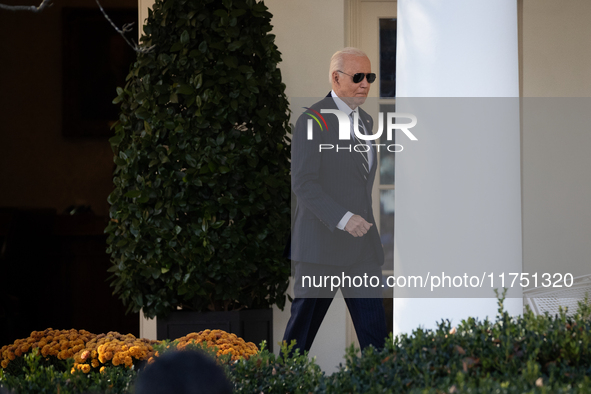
(357, 226)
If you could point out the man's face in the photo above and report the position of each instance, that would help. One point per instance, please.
(354, 94)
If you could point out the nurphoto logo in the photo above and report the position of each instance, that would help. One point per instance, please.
(345, 130)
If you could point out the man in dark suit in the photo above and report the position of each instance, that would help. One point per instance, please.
(334, 236)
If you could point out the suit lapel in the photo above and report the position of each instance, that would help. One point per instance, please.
(356, 156)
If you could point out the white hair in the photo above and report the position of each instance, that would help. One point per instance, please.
(336, 61)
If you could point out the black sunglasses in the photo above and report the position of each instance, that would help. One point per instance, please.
(359, 77)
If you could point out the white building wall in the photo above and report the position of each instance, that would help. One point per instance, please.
(556, 55)
(556, 187)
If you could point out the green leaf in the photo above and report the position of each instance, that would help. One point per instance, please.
(235, 45)
(143, 199)
(245, 69)
(133, 193)
(203, 47)
(190, 160)
(221, 13)
(185, 37)
(116, 140)
(171, 212)
(238, 12)
(231, 61)
(177, 46)
(142, 113)
(185, 89)
(148, 128)
(163, 158)
(218, 224)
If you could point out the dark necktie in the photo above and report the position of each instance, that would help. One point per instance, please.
(361, 149)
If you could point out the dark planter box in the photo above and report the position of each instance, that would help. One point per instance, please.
(253, 325)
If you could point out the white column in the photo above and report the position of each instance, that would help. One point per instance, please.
(457, 48)
(458, 199)
(148, 327)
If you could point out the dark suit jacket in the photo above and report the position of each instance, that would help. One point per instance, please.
(327, 185)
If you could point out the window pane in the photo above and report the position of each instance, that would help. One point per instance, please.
(387, 57)
(387, 227)
(386, 157)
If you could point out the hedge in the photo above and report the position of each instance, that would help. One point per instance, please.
(521, 354)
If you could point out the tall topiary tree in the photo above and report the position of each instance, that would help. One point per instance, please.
(200, 212)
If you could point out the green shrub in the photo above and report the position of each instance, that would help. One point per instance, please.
(512, 354)
(290, 372)
(22, 365)
(201, 208)
(37, 376)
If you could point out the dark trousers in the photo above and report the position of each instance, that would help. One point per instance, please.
(311, 304)
(307, 314)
